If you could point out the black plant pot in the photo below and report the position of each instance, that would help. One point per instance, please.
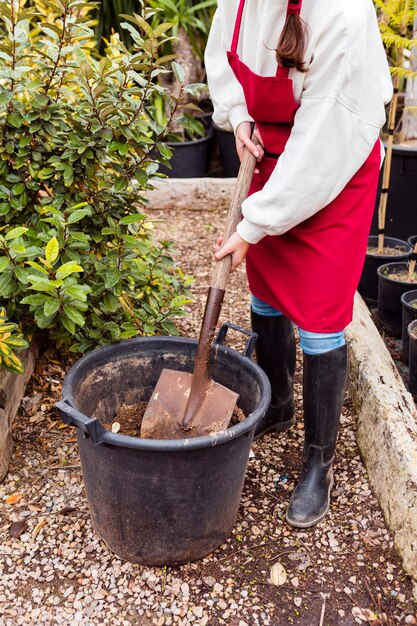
(412, 365)
(389, 297)
(412, 240)
(160, 502)
(402, 200)
(206, 113)
(409, 313)
(368, 285)
(229, 159)
(190, 158)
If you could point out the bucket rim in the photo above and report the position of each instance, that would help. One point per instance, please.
(68, 406)
(397, 242)
(408, 297)
(399, 265)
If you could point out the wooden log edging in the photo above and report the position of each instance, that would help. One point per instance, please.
(12, 390)
(386, 431)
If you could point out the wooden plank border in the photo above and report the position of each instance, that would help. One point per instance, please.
(12, 390)
(386, 431)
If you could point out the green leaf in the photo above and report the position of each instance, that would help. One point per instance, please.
(52, 250)
(52, 27)
(7, 328)
(13, 364)
(132, 219)
(37, 266)
(4, 263)
(78, 206)
(139, 21)
(74, 315)
(15, 119)
(42, 286)
(179, 301)
(45, 172)
(165, 150)
(79, 292)
(42, 320)
(35, 300)
(68, 268)
(16, 232)
(17, 343)
(68, 324)
(111, 302)
(178, 72)
(120, 184)
(22, 274)
(111, 278)
(51, 306)
(169, 328)
(4, 348)
(78, 215)
(18, 189)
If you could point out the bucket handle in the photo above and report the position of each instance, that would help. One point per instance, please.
(250, 344)
(72, 416)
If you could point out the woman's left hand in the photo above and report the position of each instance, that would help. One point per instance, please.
(236, 246)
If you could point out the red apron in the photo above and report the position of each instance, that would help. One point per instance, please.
(311, 272)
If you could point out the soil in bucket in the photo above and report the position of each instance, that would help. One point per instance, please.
(387, 251)
(128, 419)
(403, 277)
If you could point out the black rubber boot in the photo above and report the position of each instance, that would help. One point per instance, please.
(324, 383)
(275, 354)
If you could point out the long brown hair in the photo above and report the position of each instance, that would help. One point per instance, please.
(292, 43)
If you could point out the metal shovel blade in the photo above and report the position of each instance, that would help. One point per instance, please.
(165, 411)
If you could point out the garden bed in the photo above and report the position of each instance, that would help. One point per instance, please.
(57, 571)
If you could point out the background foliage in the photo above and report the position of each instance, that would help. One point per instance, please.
(194, 17)
(396, 19)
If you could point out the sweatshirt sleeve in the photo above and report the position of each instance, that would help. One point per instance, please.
(338, 122)
(225, 91)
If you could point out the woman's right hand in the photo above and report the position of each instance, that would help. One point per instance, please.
(243, 139)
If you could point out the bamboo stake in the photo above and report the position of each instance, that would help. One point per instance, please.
(382, 208)
(412, 265)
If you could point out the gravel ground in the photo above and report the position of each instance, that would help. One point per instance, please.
(55, 570)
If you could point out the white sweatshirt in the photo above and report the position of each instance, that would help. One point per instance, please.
(341, 96)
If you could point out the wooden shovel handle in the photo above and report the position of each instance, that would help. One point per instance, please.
(222, 268)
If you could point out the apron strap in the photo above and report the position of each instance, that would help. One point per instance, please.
(238, 22)
(293, 8)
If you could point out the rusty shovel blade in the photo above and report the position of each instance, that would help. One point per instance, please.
(165, 411)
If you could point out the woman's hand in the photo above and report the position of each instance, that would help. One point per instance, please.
(236, 246)
(243, 139)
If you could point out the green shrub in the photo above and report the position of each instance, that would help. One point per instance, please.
(10, 341)
(79, 142)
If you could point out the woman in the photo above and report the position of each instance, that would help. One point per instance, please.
(317, 101)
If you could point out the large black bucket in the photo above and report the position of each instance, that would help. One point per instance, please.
(160, 502)
(189, 158)
(401, 219)
(368, 285)
(409, 314)
(229, 159)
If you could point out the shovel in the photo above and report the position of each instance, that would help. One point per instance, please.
(184, 404)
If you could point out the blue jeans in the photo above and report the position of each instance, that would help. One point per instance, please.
(311, 343)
